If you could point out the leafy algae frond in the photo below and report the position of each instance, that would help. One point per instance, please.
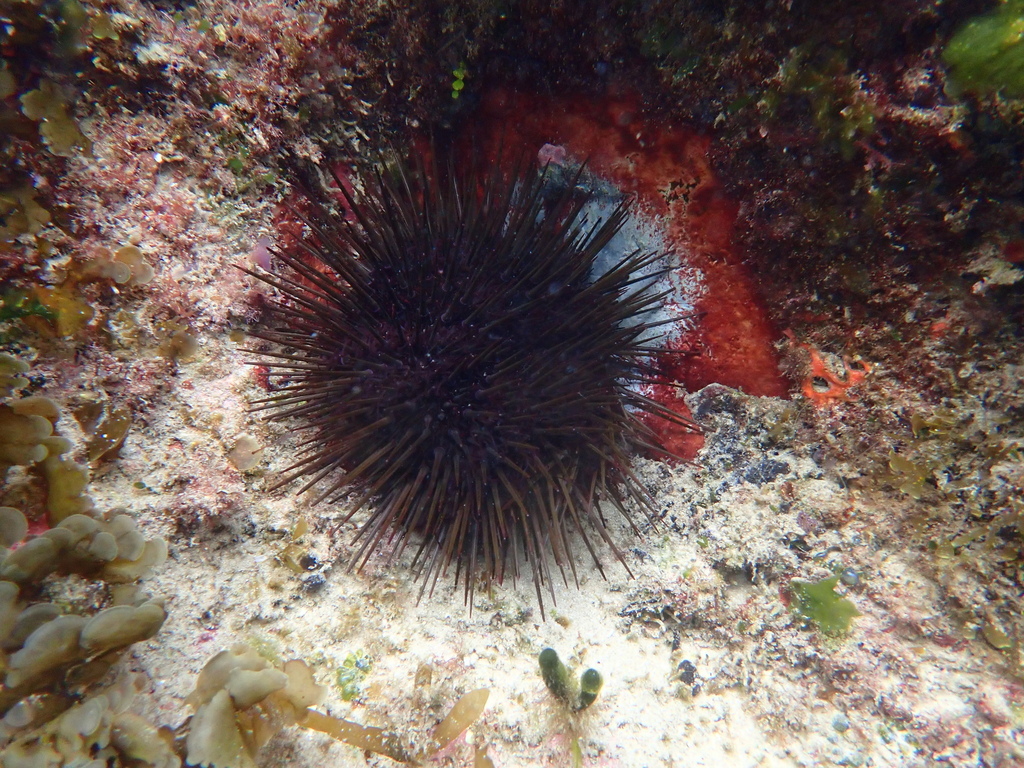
(986, 55)
(818, 602)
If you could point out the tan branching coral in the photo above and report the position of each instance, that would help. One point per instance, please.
(47, 105)
(22, 436)
(27, 438)
(99, 727)
(11, 378)
(53, 652)
(126, 266)
(242, 701)
(48, 651)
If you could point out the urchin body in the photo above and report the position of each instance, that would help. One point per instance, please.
(461, 370)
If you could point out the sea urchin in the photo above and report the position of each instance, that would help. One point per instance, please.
(460, 368)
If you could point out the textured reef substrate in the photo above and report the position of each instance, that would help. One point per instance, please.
(835, 573)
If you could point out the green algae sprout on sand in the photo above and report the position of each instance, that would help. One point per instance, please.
(564, 688)
(818, 602)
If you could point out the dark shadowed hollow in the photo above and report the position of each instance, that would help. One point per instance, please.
(456, 366)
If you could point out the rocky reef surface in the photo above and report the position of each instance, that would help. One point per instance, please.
(834, 573)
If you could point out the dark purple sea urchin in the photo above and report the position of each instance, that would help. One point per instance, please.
(461, 370)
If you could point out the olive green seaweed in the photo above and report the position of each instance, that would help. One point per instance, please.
(986, 55)
(561, 684)
(556, 676)
(590, 685)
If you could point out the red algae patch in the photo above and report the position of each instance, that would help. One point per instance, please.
(667, 168)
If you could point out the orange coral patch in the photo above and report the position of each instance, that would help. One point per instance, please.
(836, 388)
